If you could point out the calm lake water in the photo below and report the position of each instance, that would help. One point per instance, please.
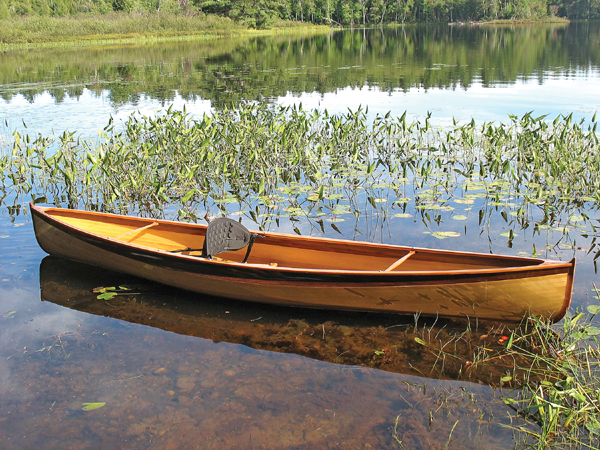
(165, 369)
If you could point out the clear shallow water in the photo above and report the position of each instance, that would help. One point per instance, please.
(174, 370)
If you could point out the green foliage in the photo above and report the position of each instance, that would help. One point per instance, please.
(560, 402)
(124, 5)
(263, 13)
(285, 162)
(4, 11)
(253, 13)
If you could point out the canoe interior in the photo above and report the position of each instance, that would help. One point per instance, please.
(285, 250)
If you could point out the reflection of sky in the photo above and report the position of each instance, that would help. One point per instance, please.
(581, 96)
(88, 114)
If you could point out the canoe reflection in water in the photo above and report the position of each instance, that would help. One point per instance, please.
(400, 344)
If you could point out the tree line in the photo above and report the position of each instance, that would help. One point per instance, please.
(263, 13)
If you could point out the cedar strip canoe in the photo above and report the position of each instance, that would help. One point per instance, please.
(313, 272)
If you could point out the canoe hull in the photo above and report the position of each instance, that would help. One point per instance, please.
(543, 291)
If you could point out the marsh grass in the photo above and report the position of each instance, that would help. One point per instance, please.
(115, 27)
(268, 164)
(44, 29)
(551, 371)
(561, 408)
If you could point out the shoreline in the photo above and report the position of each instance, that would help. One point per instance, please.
(118, 29)
(23, 34)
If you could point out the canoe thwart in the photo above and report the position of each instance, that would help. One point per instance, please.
(400, 261)
(121, 236)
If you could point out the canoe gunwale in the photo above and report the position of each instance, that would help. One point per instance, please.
(202, 265)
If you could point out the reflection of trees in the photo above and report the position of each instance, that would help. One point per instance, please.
(226, 72)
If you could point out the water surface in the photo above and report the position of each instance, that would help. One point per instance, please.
(175, 370)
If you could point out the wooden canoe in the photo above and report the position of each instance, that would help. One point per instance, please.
(313, 272)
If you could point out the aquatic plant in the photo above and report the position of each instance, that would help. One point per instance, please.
(563, 407)
(318, 169)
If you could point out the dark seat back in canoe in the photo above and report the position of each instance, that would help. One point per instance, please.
(224, 235)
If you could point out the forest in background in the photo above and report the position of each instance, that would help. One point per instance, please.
(264, 13)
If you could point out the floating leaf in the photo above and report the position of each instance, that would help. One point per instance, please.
(101, 290)
(92, 406)
(592, 309)
(339, 211)
(506, 378)
(403, 215)
(459, 217)
(445, 234)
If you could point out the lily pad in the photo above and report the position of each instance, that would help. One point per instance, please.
(445, 234)
(467, 201)
(593, 309)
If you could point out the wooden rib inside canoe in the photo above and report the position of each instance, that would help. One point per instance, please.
(313, 272)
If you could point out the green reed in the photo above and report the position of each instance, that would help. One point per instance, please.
(315, 166)
(562, 406)
(553, 370)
